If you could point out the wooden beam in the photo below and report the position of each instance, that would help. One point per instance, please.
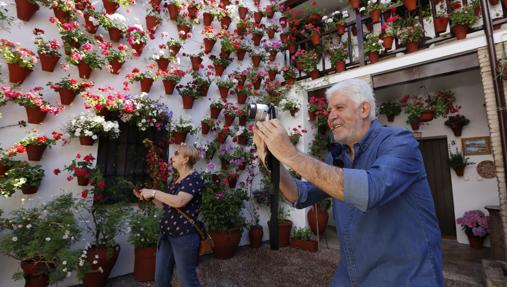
(428, 70)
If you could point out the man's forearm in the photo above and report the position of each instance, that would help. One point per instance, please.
(288, 185)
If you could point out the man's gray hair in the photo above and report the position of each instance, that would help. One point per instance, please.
(357, 90)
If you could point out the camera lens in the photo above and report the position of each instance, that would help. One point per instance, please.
(251, 111)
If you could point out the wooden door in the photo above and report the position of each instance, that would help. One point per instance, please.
(434, 152)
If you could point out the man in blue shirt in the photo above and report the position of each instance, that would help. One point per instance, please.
(382, 204)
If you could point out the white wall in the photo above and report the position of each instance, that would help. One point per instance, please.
(470, 191)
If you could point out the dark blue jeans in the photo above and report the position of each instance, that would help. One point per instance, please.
(182, 252)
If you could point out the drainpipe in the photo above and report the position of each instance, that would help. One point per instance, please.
(500, 103)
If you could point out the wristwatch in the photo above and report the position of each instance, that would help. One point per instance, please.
(153, 193)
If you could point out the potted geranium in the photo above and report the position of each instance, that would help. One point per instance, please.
(40, 238)
(25, 9)
(153, 19)
(202, 81)
(301, 238)
(115, 25)
(209, 38)
(475, 225)
(290, 105)
(338, 53)
(36, 144)
(137, 38)
(372, 47)
(174, 7)
(272, 48)
(68, 89)
(309, 60)
(116, 57)
(71, 35)
(144, 234)
(462, 18)
(389, 31)
(316, 106)
(456, 123)
(295, 134)
(47, 51)
(441, 18)
(86, 59)
(184, 25)
(36, 107)
(215, 107)
(223, 14)
(289, 74)
(82, 169)
(188, 92)
(224, 85)
(390, 109)
(243, 137)
(410, 34)
(174, 45)
(336, 20)
(207, 124)
(220, 64)
(21, 176)
(458, 162)
(145, 78)
(374, 8)
(257, 32)
(20, 61)
(180, 129)
(103, 105)
(170, 78)
(89, 127)
(64, 10)
(258, 55)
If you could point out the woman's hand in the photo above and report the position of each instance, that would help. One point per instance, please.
(147, 193)
(137, 193)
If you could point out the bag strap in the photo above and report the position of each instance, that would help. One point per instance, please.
(201, 233)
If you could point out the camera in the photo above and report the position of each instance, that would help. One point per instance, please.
(261, 112)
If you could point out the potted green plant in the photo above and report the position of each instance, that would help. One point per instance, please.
(318, 216)
(372, 47)
(390, 109)
(338, 53)
(83, 169)
(336, 20)
(410, 34)
(40, 238)
(301, 238)
(462, 18)
(475, 225)
(456, 123)
(375, 8)
(21, 176)
(20, 61)
(181, 129)
(144, 234)
(458, 162)
(88, 127)
(86, 59)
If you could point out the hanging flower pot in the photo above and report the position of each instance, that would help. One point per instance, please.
(84, 70)
(256, 38)
(242, 11)
(460, 171)
(441, 24)
(272, 55)
(61, 15)
(457, 130)
(284, 37)
(105, 258)
(317, 220)
(315, 38)
(35, 151)
(242, 120)
(283, 21)
(271, 33)
(390, 118)
(224, 92)
(312, 116)
(460, 31)
(48, 62)
(162, 63)
(66, 96)
(340, 29)
(375, 16)
(207, 18)
(339, 66)
(146, 84)
(412, 46)
(415, 126)
(144, 263)
(242, 96)
(240, 54)
(493, 2)
(258, 17)
(86, 140)
(174, 11)
(115, 34)
(17, 74)
(228, 119)
(196, 63)
(225, 242)
(208, 45)
(355, 4)
(179, 137)
(222, 137)
(205, 128)
(257, 83)
(115, 66)
(255, 234)
(272, 74)
(110, 6)
(387, 42)
(293, 112)
(174, 50)
(29, 189)
(410, 4)
(169, 86)
(219, 69)
(35, 115)
(155, 4)
(426, 116)
(241, 81)
(188, 102)
(374, 57)
(35, 273)
(315, 74)
(89, 25)
(204, 90)
(256, 60)
(138, 47)
(215, 112)
(82, 181)
(152, 23)
(25, 9)
(192, 11)
(299, 65)
(290, 81)
(225, 22)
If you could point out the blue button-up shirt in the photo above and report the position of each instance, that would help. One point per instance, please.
(386, 224)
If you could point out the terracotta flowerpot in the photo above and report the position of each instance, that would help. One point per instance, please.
(256, 38)
(174, 50)
(426, 116)
(188, 102)
(224, 92)
(204, 90)
(25, 9)
(226, 242)
(205, 128)
(169, 86)
(138, 47)
(214, 112)
(270, 13)
(315, 38)
(339, 66)
(61, 15)
(115, 34)
(228, 120)
(3, 169)
(387, 42)
(460, 31)
(374, 57)
(283, 21)
(410, 4)
(82, 181)
(314, 19)
(219, 69)
(412, 46)
(258, 17)
(242, 140)
(340, 29)
(107, 257)
(152, 23)
(48, 62)
(207, 18)
(493, 2)
(242, 120)
(271, 33)
(460, 171)
(315, 74)
(196, 63)
(66, 96)
(272, 55)
(355, 4)
(35, 273)
(84, 70)
(240, 54)
(255, 234)
(110, 7)
(306, 245)
(293, 112)
(375, 16)
(284, 229)
(208, 45)
(456, 130)
(222, 137)
(415, 126)
(475, 242)
(17, 74)
(89, 25)
(321, 220)
(144, 263)
(441, 24)
(162, 64)
(179, 137)
(86, 140)
(242, 98)
(225, 54)
(155, 4)
(256, 60)
(225, 22)
(390, 118)
(312, 116)
(115, 66)
(146, 84)
(192, 11)
(29, 189)
(272, 74)
(174, 11)
(242, 11)
(35, 115)
(257, 83)
(35, 151)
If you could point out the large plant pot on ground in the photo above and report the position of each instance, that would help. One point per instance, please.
(475, 242)
(321, 220)
(35, 273)
(225, 242)
(144, 264)
(307, 245)
(255, 234)
(107, 257)
(284, 229)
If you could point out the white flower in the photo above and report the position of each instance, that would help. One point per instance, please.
(101, 270)
(96, 256)
(48, 239)
(95, 262)
(94, 137)
(64, 262)
(28, 226)
(14, 238)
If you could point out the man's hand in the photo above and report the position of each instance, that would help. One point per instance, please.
(274, 136)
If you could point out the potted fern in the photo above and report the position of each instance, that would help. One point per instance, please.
(390, 109)
(458, 162)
